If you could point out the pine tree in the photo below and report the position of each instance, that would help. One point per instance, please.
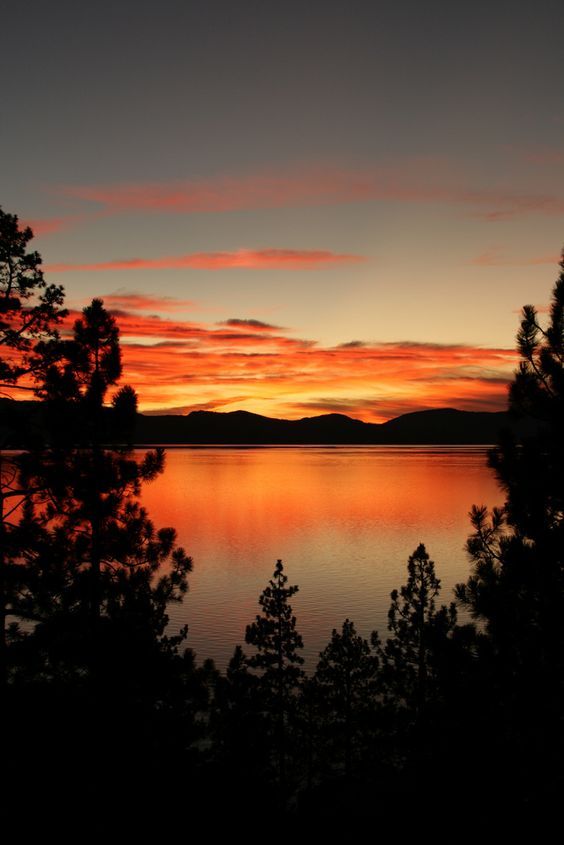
(517, 584)
(277, 658)
(516, 588)
(76, 380)
(345, 677)
(30, 312)
(95, 665)
(30, 309)
(97, 554)
(419, 633)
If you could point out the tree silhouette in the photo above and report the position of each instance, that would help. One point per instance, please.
(517, 584)
(97, 555)
(77, 378)
(95, 664)
(30, 312)
(30, 309)
(419, 632)
(345, 677)
(277, 643)
(516, 587)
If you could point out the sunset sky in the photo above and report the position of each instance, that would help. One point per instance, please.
(294, 207)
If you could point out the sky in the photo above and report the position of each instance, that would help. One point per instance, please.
(294, 208)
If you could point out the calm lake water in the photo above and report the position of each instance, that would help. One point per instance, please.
(343, 520)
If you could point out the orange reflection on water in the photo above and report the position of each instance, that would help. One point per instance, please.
(344, 521)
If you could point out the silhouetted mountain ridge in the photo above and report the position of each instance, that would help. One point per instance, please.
(438, 426)
(441, 426)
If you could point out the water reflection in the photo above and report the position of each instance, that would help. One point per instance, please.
(344, 520)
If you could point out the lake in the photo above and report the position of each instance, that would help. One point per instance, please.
(344, 521)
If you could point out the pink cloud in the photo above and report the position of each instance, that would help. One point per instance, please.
(304, 186)
(509, 206)
(254, 259)
(48, 225)
(494, 257)
(407, 182)
(130, 301)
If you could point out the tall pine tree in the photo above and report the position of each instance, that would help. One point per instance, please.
(516, 588)
(30, 309)
(99, 557)
(30, 313)
(277, 657)
(419, 633)
(345, 678)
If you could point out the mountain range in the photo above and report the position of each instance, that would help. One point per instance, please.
(440, 426)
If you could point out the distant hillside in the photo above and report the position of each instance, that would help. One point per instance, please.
(243, 427)
(443, 426)
(446, 426)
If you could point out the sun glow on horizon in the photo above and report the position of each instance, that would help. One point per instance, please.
(178, 366)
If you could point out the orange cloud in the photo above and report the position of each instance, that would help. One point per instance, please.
(254, 259)
(408, 182)
(212, 405)
(179, 365)
(182, 366)
(150, 331)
